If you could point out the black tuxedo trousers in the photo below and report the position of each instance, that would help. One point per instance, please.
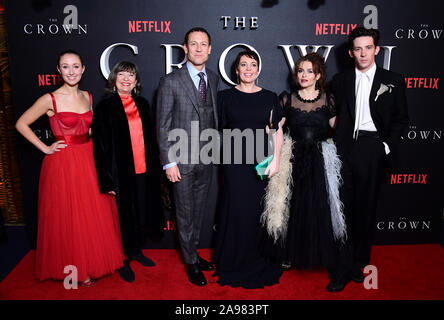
(363, 171)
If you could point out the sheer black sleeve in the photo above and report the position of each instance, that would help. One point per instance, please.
(278, 113)
(284, 97)
(331, 104)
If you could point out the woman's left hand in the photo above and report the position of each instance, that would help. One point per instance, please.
(272, 168)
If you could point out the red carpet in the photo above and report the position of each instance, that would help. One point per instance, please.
(404, 272)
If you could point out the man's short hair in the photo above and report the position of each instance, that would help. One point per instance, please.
(363, 32)
(197, 29)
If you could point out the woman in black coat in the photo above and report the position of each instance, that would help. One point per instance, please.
(126, 155)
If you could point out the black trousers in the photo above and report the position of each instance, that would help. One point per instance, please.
(190, 195)
(133, 223)
(363, 171)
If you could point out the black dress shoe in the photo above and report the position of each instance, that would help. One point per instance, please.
(357, 275)
(204, 265)
(126, 273)
(195, 275)
(337, 284)
(286, 265)
(144, 261)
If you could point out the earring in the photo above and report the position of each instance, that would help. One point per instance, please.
(237, 76)
(317, 85)
(114, 89)
(257, 81)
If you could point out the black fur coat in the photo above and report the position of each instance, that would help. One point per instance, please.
(115, 164)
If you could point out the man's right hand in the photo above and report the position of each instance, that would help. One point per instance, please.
(173, 174)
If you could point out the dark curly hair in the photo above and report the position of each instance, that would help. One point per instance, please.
(119, 67)
(319, 67)
(363, 32)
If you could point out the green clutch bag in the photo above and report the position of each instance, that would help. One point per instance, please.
(261, 167)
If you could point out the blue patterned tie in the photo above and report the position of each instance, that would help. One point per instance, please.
(202, 86)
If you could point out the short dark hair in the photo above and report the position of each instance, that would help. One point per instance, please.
(119, 67)
(317, 61)
(250, 54)
(61, 54)
(363, 32)
(197, 29)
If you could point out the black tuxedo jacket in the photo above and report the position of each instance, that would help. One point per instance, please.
(388, 110)
(113, 155)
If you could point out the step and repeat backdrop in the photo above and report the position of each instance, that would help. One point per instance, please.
(150, 33)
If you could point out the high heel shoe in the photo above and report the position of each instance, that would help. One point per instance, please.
(88, 283)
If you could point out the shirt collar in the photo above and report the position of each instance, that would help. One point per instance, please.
(193, 71)
(370, 72)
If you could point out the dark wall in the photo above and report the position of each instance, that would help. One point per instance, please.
(412, 38)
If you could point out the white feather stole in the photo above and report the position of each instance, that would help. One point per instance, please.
(278, 195)
(279, 191)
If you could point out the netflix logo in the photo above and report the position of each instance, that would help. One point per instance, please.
(408, 178)
(170, 225)
(149, 26)
(323, 29)
(49, 80)
(425, 83)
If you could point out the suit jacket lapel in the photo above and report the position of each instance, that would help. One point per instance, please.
(375, 87)
(189, 87)
(351, 92)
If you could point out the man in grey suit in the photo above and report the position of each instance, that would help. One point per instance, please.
(187, 97)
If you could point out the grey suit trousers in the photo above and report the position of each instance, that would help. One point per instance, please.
(190, 195)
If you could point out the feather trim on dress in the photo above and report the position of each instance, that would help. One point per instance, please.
(279, 191)
(278, 195)
(332, 165)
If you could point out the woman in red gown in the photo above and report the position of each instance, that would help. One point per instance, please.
(77, 225)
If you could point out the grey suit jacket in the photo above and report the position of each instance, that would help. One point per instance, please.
(177, 107)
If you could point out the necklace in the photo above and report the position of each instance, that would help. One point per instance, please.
(308, 100)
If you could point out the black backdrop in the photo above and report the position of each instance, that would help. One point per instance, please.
(150, 32)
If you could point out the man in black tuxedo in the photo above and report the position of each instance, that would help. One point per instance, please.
(371, 116)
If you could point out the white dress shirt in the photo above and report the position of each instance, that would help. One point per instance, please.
(363, 86)
(363, 118)
(194, 74)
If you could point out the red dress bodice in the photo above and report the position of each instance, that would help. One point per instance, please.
(71, 127)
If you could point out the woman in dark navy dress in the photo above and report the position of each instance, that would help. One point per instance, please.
(245, 107)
